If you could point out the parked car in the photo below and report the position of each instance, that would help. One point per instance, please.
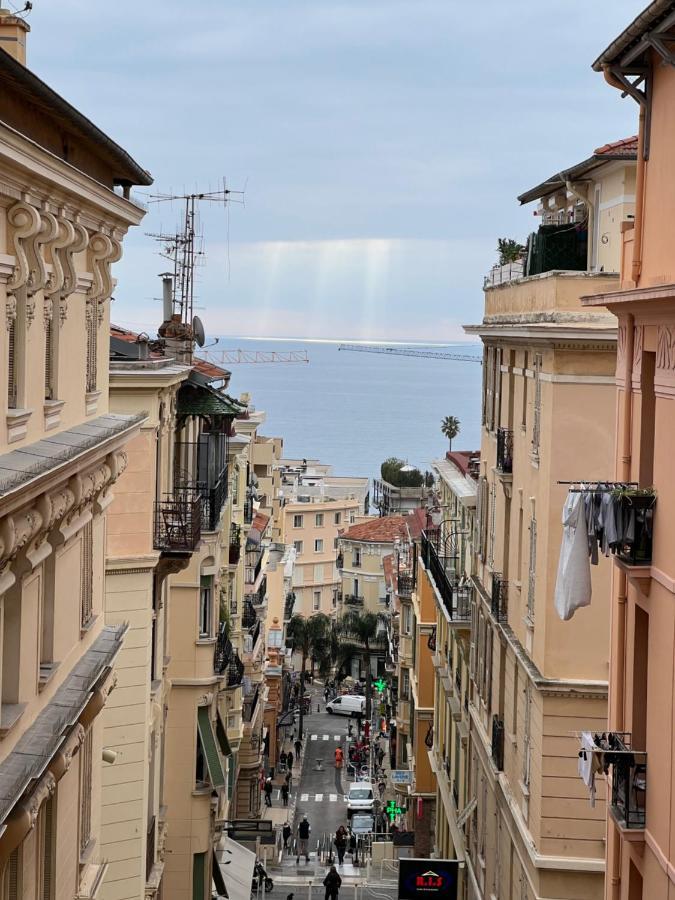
(360, 798)
(346, 705)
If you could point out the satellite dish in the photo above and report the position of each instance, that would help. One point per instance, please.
(198, 331)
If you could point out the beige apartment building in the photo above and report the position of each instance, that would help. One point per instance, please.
(64, 210)
(534, 679)
(316, 507)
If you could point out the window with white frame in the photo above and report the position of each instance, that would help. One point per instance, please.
(298, 547)
(318, 520)
(297, 521)
(316, 606)
(318, 545)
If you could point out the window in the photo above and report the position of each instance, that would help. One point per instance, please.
(532, 575)
(536, 419)
(318, 520)
(12, 889)
(317, 601)
(87, 576)
(526, 735)
(205, 605)
(356, 557)
(199, 876)
(85, 755)
(318, 545)
(336, 543)
(92, 349)
(337, 518)
(297, 521)
(352, 518)
(298, 547)
(50, 387)
(45, 850)
(356, 587)
(405, 684)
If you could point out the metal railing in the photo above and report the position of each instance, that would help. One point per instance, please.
(353, 600)
(504, 274)
(235, 671)
(629, 781)
(500, 598)
(249, 616)
(248, 511)
(249, 705)
(235, 544)
(498, 743)
(222, 652)
(288, 606)
(253, 634)
(443, 570)
(406, 585)
(150, 848)
(505, 450)
(178, 524)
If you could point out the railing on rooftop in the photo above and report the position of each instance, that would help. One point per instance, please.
(443, 569)
(178, 524)
(505, 450)
(498, 743)
(500, 598)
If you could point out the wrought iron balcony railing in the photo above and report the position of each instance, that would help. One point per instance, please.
(288, 606)
(629, 781)
(248, 511)
(222, 653)
(235, 544)
(406, 585)
(235, 671)
(443, 569)
(500, 598)
(249, 705)
(178, 524)
(249, 616)
(498, 743)
(505, 450)
(353, 600)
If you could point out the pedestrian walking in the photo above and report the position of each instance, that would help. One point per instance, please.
(332, 883)
(286, 833)
(284, 793)
(380, 756)
(326, 694)
(289, 760)
(341, 843)
(289, 780)
(382, 786)
(304, 829)
(339, 757)
(298, 748)
(268, 791)
(283, 759)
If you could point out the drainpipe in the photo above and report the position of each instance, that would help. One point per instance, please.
(585, 198)
(636, 267)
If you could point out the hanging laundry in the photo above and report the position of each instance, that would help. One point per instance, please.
(573, 584)
(590, 764)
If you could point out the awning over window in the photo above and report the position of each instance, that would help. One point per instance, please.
(202, 400)
(221, 735)
(210, 748)
(236, 868)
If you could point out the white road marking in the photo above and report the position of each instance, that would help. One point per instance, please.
(314, 737)
(319, 798)
(332, 797)
(336, 737)
(325, 737)
(304, 798)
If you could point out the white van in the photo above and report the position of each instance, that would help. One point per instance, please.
(360, 798)
(347, 705)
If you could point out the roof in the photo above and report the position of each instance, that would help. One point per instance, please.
(417, 522)
(462, 458)
(383, 530)
(19, 81)
(202, 400)
(625, 149)
(210, 371)
(462, 485)
(657, 15)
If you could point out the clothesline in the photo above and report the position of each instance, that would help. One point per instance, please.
(598, 487)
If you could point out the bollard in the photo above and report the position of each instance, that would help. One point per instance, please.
(319, 765)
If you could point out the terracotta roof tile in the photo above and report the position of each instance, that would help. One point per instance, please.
(625, 147)
(379, 531)
(462, 458)
(208, 369)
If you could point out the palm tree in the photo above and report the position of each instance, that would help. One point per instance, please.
(363, 633)
(450, 428)
(312, 639)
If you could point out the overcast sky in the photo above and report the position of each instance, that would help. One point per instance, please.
(381, 144)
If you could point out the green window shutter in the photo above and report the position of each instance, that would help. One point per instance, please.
(199, 876)
(218, 880)
(210, 748)
(221, 734)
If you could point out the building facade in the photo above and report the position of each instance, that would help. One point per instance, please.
(64, 210)
(640, 856)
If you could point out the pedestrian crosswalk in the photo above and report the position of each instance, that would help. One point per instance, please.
(318, 798)
(326, 737)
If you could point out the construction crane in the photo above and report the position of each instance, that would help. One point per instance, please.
(409, 351)
(230, 357)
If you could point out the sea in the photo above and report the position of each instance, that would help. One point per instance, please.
(352, 410)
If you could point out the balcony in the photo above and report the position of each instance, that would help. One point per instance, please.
(250, 705)
(288, 606)
(235, 671)
(443, 568)
(178, 524)
(251, 639)
(353, 600)
(629, 782)
(249, 616)
(498, 743)
(222, 653)
(248, 511)
(406, 585)
(200, 470)
(235, 544)
(499, 603)
(505, 451)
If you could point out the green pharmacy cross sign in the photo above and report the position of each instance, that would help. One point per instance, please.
(380, 685)
(393, 810)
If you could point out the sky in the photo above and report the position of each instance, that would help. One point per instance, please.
(380, 145)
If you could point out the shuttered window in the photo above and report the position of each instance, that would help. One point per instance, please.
(11, 365)
(85, 791)
(532, 575)
(493, 516)
(199, 876)
(490, 390)
(87, 575)
(11, 880)
(526, 735)
(92, 349)
(497, 415)
(50, 392)
(47, 833)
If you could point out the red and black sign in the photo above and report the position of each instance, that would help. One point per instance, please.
(425, 879)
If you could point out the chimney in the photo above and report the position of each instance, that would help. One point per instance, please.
(13, 32)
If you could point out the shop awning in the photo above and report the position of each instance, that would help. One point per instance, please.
(235, 865)
(221, 735)
(209, 747)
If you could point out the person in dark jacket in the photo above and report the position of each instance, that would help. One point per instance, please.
(289, 760)
(298, 748)
(284, 793)
(268, 791)
(332, 883)
(304, 829)
(341, 843)
(286, 833)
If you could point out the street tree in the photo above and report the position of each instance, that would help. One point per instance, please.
(311, 638)
(363, 633)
